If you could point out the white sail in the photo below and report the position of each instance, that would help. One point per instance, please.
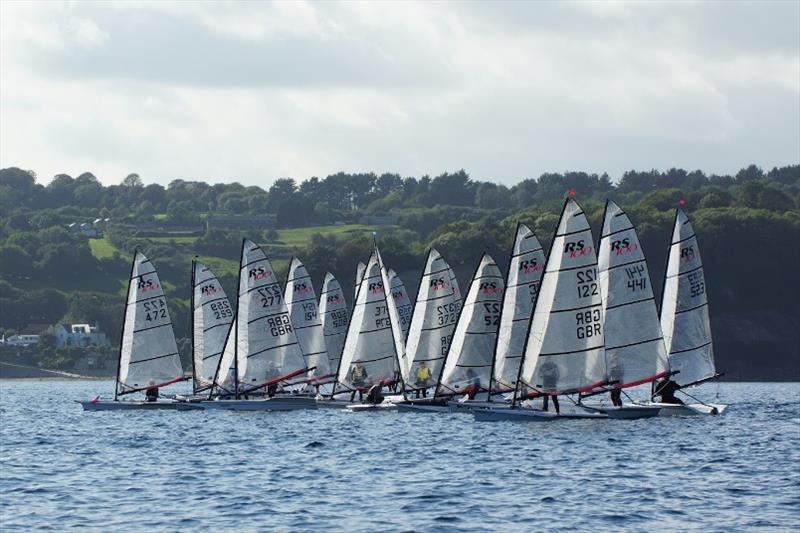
(266, 343)
(684, 307)
(456, 290)
(370, 345)
(212, 315)
(335, 318)
(635, 351)
(401, 300)
(360, 268)
(524, 274)
(469, 360)
(149, 354)
(301, 301)
(433, 321)
(564, 350)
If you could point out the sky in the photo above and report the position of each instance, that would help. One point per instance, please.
(251, 92)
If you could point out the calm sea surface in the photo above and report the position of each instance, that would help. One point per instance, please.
(308, 470)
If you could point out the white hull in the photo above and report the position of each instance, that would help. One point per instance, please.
(276, 403)
(327, 403)
(125, 405)
(521, 414)
(695, 409)
(383, 406)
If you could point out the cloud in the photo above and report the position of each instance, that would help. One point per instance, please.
(256, 91)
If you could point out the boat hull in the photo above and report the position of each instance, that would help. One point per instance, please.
(383, 406)
(508, 414)
(470, 405)
(110, 405)
(327, 403)
(276, 403)
(628, 411)
(695, 409)
(422, 407)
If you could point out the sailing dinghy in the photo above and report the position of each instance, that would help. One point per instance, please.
(433, 321)
(149, 355)
(564, 350)
(525, 268)
(634, 345)
(212, 315)
(468, 364)
(335, 318)
(301, 301)
(262, 351)
(370, 354)
(685, 321)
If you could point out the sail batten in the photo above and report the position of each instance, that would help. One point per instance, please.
(684, 307)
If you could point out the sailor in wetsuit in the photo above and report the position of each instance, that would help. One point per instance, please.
(151, 394)
(667, 389)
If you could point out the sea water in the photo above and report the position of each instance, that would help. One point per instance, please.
(63, 468)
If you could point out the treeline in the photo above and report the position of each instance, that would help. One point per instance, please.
(748, 224)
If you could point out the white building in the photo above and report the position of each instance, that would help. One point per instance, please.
(22, 340)
(81, 335)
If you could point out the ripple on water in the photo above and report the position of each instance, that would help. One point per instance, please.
(166, 471)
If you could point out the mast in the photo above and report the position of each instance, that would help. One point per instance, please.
(191, 306)
(236, 325)
(124, 320)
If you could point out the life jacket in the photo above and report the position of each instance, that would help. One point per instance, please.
(423, 373)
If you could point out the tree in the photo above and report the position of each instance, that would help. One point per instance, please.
(15, 263)
(132, 181)
(283, 190)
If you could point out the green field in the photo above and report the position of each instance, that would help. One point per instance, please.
(300, 237)
(101, 248)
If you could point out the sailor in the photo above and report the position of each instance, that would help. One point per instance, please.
(667, 389)
(358, 377)
(616, 397)
(423, 376)
(549, 374)
(473, 384)
(374, 395)
(151, 394)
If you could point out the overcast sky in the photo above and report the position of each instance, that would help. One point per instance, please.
(252, 92)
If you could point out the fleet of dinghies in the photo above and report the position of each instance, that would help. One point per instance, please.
(580, 324)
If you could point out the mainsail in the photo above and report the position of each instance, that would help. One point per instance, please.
(684, 307)
(360, 268)
(401, 300)
(212, 315)
(370, 350)
(433, 320)
(335, 318)
(635, 351)
(148, 354)
(524, 274)
(301, 301)
(262, 344)
(468, 365)
(564, 348)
